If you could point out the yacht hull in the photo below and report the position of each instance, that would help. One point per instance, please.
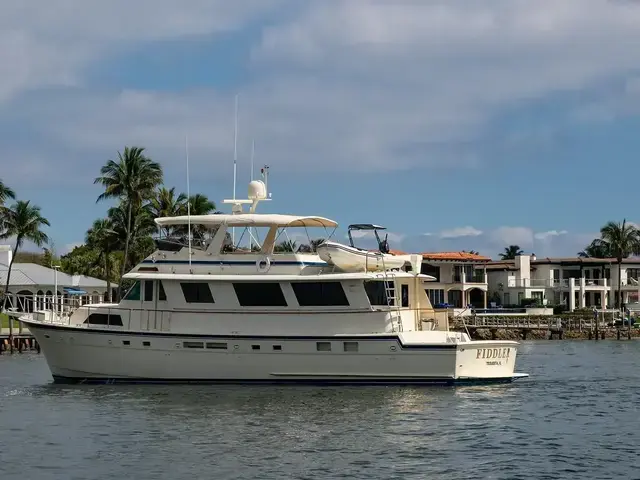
(80, 355)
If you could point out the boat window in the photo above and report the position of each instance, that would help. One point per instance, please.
(134, 292)
(323, 346)
(148, 291)
(161, 295)
(350, 346)
(196, 292)
(260, 294)
(193, 344)
(316, 294)
(377, 292)
(216, 345)
(104, 319)
(404, 289)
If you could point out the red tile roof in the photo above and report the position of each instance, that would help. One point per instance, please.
(448, 256)
(455, 256)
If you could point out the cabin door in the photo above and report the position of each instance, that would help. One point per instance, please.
(148, 313)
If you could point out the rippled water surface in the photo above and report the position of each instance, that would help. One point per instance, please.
(576, 417)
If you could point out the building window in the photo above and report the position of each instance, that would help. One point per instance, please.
(104, 319)
(323, 346)
(436, 296)
(317, 294)
(350, 346)
(148, 291)
(537, 296)
(197, 292)
(134, 292)
(263, 294)
(161, 295)
(193, 344)
(428, 269)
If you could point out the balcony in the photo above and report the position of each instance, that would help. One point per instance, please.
(586, 283)
(528, 283)
(470, 278)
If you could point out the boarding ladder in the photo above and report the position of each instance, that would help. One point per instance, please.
(390, 295)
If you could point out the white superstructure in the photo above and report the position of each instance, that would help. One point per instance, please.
(203, 310)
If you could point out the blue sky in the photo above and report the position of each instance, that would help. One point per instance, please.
(458, 125)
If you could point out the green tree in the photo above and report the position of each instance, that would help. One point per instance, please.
(6, 193)
(103, 239)
(132, 179)
(598, 248)
(165, 203)
(139, 234)
(22, 221)
(511, 252)
(285, 246)
(623, 240)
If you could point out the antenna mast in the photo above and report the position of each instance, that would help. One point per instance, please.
(235, 160)
(253, 152)
(186, 148)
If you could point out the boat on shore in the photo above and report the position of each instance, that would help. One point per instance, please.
(209, 312)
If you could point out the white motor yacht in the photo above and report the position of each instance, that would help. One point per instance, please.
(208, 311)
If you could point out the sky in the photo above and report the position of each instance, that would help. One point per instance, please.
(472, 124)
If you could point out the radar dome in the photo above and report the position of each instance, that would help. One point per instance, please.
(257, 190)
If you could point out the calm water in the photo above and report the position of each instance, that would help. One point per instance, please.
(576, 417)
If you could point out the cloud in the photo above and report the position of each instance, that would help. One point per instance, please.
(461, 232)
(45, 46)
(332, 85)
(492, 242)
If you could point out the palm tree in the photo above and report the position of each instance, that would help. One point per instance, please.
(6, 193)
(165, 203)
(103, 239)
(623, 240)
(141, 228)
(199, 204)
(132, 179)
(285, 246)
(24, 222)
(598, 248)
(511, 252)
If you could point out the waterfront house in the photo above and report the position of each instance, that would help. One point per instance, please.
(37, 283)
(574, 281)
(461, 280)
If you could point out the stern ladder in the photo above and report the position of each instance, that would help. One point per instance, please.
(391, 297)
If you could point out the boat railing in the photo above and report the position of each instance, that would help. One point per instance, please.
(109, 316)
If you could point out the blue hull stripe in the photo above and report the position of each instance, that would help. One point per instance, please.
(235, 262)
(435, 381)
(231, 338)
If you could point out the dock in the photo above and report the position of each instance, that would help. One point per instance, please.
(540, 327)
(22, 341)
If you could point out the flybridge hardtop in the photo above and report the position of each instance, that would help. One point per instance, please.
(249, 220)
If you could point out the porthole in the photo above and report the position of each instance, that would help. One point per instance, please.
(392, 348)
